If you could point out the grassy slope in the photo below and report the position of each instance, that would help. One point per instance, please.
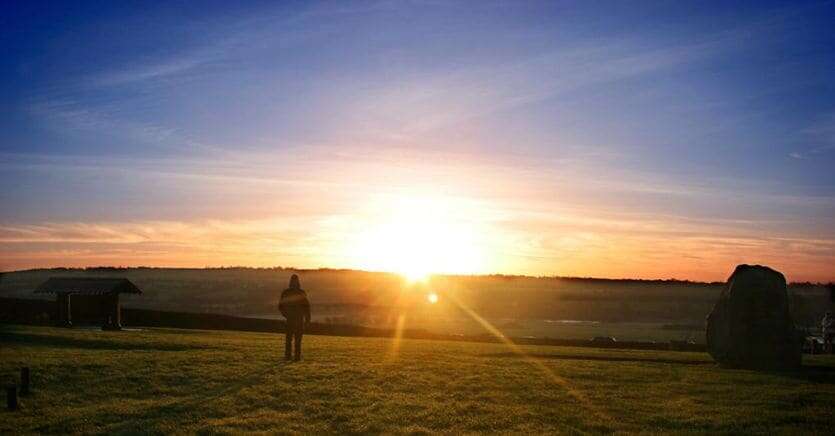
(176, 381)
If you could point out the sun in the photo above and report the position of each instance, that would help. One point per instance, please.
(432, 298)
(413, 275)
(417, 236)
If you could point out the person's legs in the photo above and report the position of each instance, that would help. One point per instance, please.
(288, 340)
(298, 339)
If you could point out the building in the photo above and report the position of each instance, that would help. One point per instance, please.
(98, 296)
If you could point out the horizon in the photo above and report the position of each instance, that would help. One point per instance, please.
(428, 278)
(540, 139)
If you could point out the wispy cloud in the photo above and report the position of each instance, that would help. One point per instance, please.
(568, 245)
(69, 116)
(157, 242)
(820, 137)
(102, 101)
(522, 234)
(422, 103)
(156, 71)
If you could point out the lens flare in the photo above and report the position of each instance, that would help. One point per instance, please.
(575, 393)
(397, 338)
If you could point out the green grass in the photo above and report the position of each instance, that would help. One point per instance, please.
(179, 381)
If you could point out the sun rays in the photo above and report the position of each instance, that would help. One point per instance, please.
(434, 295)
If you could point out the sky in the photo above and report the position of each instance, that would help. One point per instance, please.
(607, 139)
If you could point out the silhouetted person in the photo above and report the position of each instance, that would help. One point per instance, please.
(296, 309)
(828, 331)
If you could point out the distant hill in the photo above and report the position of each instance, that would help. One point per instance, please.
(361, 294)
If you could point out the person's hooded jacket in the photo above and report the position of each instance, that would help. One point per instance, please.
(293, 303)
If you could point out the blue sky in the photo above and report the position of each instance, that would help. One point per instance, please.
(658, 139)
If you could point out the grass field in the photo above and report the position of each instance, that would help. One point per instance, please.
(155, 381)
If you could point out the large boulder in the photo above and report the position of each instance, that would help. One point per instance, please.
(751, 325)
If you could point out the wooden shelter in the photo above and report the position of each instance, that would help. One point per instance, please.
(103, 292)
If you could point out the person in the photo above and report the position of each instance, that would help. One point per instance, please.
(295, 307)
(828, 331)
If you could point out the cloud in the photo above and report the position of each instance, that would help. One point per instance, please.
(226, 43)
(820, 135)
(521, 182)
(177, 66)
(115, 101)
(205, 242)
(635, 246)
(530, 217)
(421, 103)
(68, 116)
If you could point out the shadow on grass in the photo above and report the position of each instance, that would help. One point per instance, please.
(604, 358)
(182, 409)
(34, 340)
(809, 373)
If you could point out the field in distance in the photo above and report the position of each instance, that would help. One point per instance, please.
(518, 306)
(158, 380)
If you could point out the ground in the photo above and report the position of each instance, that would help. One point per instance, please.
(164, 380)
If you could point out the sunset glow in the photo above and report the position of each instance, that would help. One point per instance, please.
(416, 236)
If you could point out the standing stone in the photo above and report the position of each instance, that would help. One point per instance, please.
(751, 325)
